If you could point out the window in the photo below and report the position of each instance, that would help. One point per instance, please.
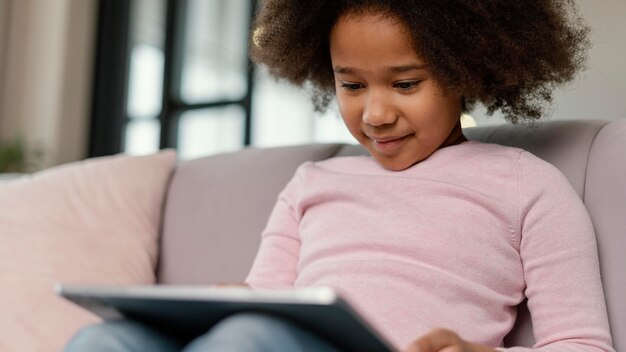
(175, 73)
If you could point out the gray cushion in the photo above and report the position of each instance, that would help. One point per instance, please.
(217, 207)
(605, 199)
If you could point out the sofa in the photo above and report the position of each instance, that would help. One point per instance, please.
(145, 220)
(217, 206)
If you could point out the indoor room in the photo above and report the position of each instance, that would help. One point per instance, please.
(282, 157)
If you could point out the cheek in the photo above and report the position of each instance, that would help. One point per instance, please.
(454, 110)
(442, 110)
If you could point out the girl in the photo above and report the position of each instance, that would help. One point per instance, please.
(435, 239)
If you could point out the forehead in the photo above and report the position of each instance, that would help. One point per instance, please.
(371, 40)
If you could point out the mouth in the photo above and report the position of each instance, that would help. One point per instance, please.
(386, 139)
(387, 145)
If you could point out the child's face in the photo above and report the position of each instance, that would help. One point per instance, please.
(386, 95)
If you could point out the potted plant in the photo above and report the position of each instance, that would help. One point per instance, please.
(16, 158)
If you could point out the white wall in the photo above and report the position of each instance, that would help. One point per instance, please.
(600, 91)
(46, 89)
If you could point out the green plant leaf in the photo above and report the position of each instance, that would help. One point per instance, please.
(13, 156)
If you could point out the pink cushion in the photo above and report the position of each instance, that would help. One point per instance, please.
(91, 222)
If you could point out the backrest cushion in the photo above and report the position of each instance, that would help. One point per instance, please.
(217, 207)
(91, 222)
(605, 199)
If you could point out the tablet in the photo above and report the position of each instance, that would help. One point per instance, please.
(193, 310)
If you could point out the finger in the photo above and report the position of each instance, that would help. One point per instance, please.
(413, 347)
(437, 340)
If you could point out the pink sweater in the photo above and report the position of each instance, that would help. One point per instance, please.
(456, 241)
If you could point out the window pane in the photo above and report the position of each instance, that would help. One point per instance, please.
(215, 55)
(145, 82)
(210, 131)
(142, 137)
(283, 115)
(147, 35)
(330, 128)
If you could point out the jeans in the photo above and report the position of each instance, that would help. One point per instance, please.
(244, 332)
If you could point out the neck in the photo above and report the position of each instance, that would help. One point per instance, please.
(456, 136)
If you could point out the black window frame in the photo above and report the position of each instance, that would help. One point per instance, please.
(109, 116)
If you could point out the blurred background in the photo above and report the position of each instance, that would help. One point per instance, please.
(85, 78)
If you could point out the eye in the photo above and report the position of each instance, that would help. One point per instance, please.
(351, 86)
(406, 85)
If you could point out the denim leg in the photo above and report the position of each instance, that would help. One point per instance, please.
(251, 332)
(122, 336)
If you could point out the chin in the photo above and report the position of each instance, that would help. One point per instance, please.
(395, 165)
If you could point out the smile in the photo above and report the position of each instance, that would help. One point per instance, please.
(389, 145)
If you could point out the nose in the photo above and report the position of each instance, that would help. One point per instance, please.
(378, 109)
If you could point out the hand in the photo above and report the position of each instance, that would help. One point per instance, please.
(441, 340)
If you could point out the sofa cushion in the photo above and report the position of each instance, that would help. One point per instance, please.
(217, 207)
(605, 198)
(91, 222)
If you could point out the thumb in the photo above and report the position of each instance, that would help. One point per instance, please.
(434, 341)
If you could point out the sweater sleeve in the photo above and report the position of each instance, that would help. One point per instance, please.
(275, 265)
(560, 260)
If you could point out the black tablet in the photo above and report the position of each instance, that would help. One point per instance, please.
(194, 310)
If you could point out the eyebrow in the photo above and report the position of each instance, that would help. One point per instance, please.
(395, 69)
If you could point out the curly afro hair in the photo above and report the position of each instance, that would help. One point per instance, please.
(507, 54)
